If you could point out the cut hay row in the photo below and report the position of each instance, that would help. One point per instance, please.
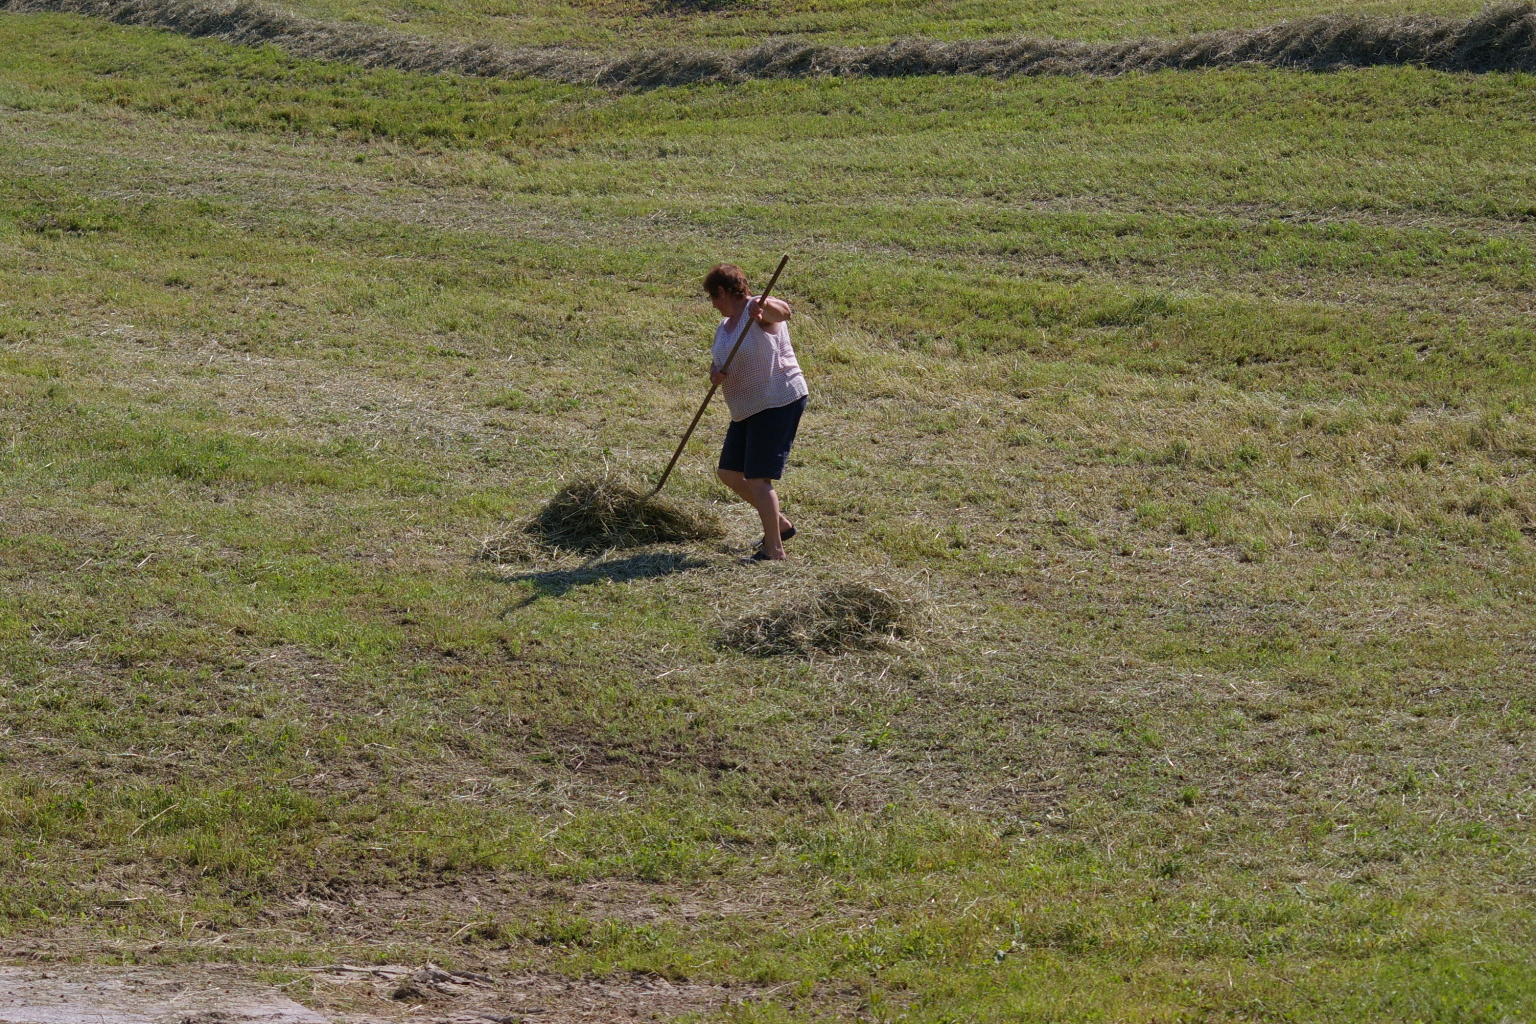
(1501, 38)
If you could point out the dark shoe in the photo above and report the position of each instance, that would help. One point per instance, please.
(763, 557)
(783, 536)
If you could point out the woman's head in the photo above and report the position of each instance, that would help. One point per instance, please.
(725, 278)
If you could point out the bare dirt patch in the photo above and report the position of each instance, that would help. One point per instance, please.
(435, 994)
(131, 996)
(346, 994)
(473, 915)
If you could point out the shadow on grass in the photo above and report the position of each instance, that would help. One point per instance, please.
(559, 582)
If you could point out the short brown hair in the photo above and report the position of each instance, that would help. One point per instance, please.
(728, 276)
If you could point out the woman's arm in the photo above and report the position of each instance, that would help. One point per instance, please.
(771, 311)
(765, 314)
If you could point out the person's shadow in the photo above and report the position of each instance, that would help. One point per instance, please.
(559, 582)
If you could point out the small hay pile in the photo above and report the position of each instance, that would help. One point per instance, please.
(594, 515)
(510, 548)
(845, 616)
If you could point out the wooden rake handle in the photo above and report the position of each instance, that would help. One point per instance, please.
(746, 325)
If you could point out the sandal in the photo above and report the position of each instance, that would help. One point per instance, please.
(783, 536)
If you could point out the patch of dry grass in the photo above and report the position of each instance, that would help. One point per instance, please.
(510, 548)
(839, 618)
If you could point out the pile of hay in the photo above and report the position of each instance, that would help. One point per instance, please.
(846, 616)
(594, 515)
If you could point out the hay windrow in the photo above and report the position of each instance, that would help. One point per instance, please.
(841, 617)
(1501, 38)
(594, 515)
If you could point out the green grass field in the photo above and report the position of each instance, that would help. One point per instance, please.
(1194, 408)
(625, 24)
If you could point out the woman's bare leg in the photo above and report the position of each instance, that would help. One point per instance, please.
(759, 493)
(766, 500)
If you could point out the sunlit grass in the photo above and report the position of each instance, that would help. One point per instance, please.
(1194, 409)
(729, 23)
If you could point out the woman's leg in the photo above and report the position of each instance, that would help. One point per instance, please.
(760, 495)
(735, 481)
(766, 500)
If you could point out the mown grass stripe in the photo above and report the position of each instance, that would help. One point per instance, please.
(1501, 38)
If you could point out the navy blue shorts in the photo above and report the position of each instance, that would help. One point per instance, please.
(758, 446)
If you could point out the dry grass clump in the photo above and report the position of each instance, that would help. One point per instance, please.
(511, 548)
(1501, 38)
(841, 617)
(593, 515)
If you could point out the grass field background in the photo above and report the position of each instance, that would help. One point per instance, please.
(1194, 407)
(627, 24)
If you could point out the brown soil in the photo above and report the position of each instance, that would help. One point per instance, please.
(134, 996)
(345, 994)
(433, 994)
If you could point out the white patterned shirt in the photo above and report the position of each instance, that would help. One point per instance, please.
(764, 374)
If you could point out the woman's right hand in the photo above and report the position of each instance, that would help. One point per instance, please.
(716, 377)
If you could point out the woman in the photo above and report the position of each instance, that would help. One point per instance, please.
(765, 391)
